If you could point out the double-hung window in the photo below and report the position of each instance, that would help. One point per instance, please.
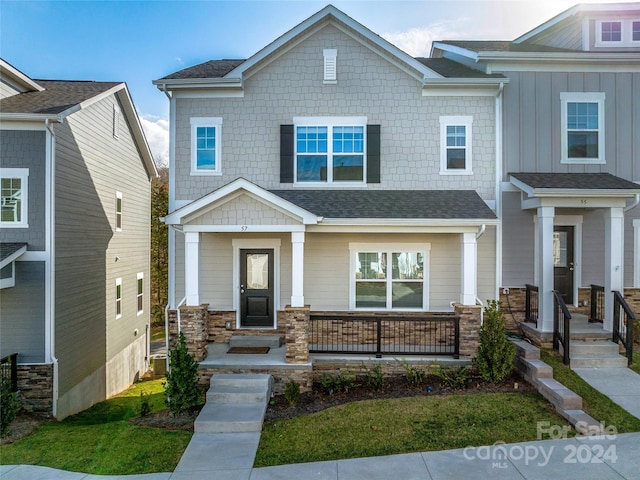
(118, 211)
(330, 150)
(389, 277)
(205, 145)
(118, 298)
(455, 145)
(140, 292)
(13, 197)
(582, 124)
(617, 33)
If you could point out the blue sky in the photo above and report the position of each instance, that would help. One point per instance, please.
(139, 41)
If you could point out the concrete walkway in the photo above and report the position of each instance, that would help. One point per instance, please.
(622, 385)
(616, 457)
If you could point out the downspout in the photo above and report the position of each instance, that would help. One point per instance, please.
(50, 286)
(481, 231)
(498, 195)
(633, 204)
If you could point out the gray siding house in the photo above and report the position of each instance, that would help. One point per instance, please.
(569, 163)
(75, 173)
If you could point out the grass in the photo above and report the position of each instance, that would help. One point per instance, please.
(101, 441)
(403, 425)
(599, 406)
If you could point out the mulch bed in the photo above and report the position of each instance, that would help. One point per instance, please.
(397, 387)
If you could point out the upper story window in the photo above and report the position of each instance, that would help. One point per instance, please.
(140, 292)
(118, 211)
(617, 33)
(13, 197)
(582, 127)
(118, 298)
(330, 150)
(205, 145)
(455, 145)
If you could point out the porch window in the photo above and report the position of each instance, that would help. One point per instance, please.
(118, 298)
(582, 127)
(389, 278)
(205, 145)
(140, 293)
(13, 196)
(455, 145)
(330, 150)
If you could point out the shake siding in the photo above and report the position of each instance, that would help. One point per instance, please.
(368, 85)
(91, 166)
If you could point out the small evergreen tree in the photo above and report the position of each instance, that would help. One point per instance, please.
(181, 387)
(496, 353)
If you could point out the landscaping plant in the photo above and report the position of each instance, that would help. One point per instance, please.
(415, 375)
(292, 392)
(454, 377)
(374, 377)
(9, 405)
(181, 386)
(496, 353)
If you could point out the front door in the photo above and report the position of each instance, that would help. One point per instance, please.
(256, 287)
(563, 266)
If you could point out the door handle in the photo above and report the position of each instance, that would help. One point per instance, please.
(241, 289)
(571, 267)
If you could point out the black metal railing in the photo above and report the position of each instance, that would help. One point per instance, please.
(623, 323)
(430, 334)
(561, 328)
(597, 304)
(9, 370)
(531, 304)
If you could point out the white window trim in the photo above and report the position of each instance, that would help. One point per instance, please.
(214, 122)
(118, 300)
(626, 30)
(23, 175)
(140, 276)
(330, 66)
(466, 121)
(119, 212)
(355, 248)
(565, 98)
(329, 122)
(636, 253)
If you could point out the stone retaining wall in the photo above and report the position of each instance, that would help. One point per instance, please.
(219, 333)
(281, 376)
(470, 321)
(35, 384)
(193, 324)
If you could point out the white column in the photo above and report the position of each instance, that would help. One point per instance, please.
(192, 268)
(297, 269)
(469, 269)
(613, 260)
(545, 268)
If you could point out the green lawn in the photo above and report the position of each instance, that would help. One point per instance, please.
(635, 366)
(423, 423)
(101, 441)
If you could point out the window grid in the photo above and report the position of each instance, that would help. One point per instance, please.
(118, 298)
(611, 31)
(118, 211)
(635, 31)
(11, 194)
(206, 148)
(140, 293)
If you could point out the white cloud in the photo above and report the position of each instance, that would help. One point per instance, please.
(157, 132)
(417, 41)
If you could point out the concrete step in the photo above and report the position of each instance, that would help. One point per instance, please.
(271, 341)
(559, 395)
(598, 361)
(230, 418)
(598, 347)
(259, 393)
(241, 380)
(533, 369)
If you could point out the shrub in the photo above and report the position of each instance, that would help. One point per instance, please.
(374, 377)
(454, 377)
(495, 353)
(415, 376)
(292, 392)
(181, 387)
(342, 381)
(145, 405)
(9, 405)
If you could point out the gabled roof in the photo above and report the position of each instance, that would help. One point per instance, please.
(536, 184)
(16, 78)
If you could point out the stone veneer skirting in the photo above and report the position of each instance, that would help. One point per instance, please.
(35, 383)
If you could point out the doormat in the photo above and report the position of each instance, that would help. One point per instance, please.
(255, 350)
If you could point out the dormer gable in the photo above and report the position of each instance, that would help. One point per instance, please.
(13, 81)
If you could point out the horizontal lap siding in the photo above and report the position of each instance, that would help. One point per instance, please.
(91, 166)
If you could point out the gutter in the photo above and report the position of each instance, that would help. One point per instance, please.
(633, 204)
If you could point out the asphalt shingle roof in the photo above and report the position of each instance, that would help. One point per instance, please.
(401, 204)
(578, 181)
(210, 69)
(58, 96)
(502, 46)
(7, 249)
(450, 69)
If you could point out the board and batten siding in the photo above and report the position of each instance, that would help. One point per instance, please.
(291, 85)
(91, 166)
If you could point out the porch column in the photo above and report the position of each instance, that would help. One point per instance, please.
(469, 269)
(613, 260)
(191, 268)
(297, 269)
(545, 268)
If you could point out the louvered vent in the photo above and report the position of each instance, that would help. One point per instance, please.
(330, 65)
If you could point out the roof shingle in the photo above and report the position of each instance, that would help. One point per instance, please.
(577, 181)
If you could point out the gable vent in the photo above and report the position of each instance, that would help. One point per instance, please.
(330, 66)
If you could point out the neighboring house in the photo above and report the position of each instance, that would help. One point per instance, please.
(329, 172)
(75, 172)
(570, 149)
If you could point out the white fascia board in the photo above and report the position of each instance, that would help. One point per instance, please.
(463, 86)
(243, 228)
(176, 217)
(572, 192)
(412, 222)
(522, 186)
(16, 76)
(464, 52)
(38, 118)
(13, 257)
(217, 83)
(405, 229)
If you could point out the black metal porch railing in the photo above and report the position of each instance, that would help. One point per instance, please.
(623, 322)
(9, 370)
(385, 334)
(597, 304)
(561, 328)
(531, 304)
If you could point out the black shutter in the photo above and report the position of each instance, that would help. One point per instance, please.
(373, 153)
(286, 153)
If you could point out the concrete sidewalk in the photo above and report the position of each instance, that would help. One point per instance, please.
(616, 457)
(622, 385)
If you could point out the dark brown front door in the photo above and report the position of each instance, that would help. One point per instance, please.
(563, 266)
(256, 288)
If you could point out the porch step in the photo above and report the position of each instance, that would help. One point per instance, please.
(240, 380)
(595, 347)
(239, 394)
(271, 341)
(598, 361)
